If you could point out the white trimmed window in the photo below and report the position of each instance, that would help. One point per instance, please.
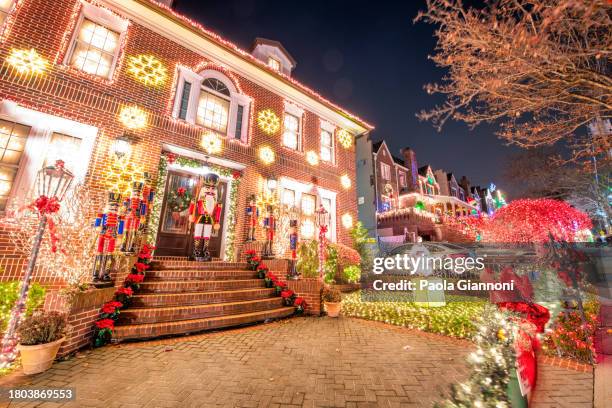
(292, 126)
(96, 41)
(210, 99)
(402, 179)
(274, 63)
(30, 140)
(288, 197)
(327, 142)
(385, 171)
(5, 8)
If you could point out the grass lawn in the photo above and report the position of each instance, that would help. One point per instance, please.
(456, 319)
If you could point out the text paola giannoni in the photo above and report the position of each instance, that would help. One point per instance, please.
(425, 264)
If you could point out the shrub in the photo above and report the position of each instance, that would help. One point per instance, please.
(308, 259)
(331, 264)
(346, 255)
(331, 295)
(9, 291)
(352, 273)
(359, 235)
(41, 328)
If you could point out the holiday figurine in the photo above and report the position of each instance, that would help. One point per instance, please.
(293, 242)
(205, 214)
(132, 219)
(110, 225)
(252, 212)
(269, 224)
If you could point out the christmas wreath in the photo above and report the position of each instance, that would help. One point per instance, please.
(179, 200)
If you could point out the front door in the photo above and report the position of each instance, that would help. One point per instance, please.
(174, 237)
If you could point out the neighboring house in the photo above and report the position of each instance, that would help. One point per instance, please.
(407, 199)
(184, 85)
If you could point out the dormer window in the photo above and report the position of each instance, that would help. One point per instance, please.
(274, 63)
(210, 99)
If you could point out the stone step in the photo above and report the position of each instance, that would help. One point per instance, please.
(199, 274)
(176, 313)
(196, 298)
(190, 265)
(199, 285)
(151, 330)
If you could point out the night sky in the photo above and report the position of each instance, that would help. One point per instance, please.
(369, 58)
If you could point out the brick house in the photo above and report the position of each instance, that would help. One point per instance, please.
(186, 83)
(409, 200)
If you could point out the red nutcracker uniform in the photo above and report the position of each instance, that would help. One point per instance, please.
(205, 213)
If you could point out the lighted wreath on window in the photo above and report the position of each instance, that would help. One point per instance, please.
(268, 121)
(147, 69)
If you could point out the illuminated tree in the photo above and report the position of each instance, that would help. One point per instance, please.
(530, 220)
(540, 67)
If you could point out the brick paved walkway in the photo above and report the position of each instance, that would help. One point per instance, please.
(300, 362)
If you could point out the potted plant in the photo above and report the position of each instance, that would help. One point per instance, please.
(332, 299)
(40, 337)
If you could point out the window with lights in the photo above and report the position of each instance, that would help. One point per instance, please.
(274, 63)
(327, 146)
(214, 105)
(95, 49)
(5, 8)
(385, 171)
(291, 131)
(13, 137)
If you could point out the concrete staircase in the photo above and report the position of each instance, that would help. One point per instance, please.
(181, 297)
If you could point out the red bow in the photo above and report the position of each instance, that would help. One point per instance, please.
(323, 230)
(46, 205)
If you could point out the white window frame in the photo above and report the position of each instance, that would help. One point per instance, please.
(401, 178)
(294, 110)
(236, 99)
(328, 127)
(104, 18)
(385, 171)
(42, 128)
(278, 62)
(6, 11)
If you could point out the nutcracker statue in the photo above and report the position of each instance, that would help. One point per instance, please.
(293, 243)
(132, 217)
(252, 212)
(205, 213)
(111, 227)
(269, 224)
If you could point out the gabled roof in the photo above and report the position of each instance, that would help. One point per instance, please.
(423, 169)
(273, 43)
(376, 145)
(399, 161)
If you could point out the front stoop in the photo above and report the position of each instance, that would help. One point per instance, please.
(181, 297)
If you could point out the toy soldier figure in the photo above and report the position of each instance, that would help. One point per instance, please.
(110, 226)
(269, 224)
(252, 213)
(205, 213)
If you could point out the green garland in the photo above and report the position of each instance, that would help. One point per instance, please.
(156, 207)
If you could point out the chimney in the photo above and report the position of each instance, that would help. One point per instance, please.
(411, 163)
(465, 183)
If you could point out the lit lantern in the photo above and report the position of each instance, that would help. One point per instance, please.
(27, 61)
(133, 117)
(322, 220)
(347, 221)
(53, 181)
(268, 121)
(147, 69)
(345, 180)
(345, 138)
(312, 158)
(211, 143)
(121, 146)
(266, 155)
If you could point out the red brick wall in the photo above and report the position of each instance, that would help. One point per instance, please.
(64, 92)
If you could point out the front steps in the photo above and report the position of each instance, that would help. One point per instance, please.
(181, 297)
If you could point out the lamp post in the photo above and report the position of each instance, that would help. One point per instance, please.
(52, 182)
(322, 220)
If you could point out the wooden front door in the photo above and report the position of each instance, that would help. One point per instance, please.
(174, 237)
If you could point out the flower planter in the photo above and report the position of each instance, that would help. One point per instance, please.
(333, 309)
(38, 358)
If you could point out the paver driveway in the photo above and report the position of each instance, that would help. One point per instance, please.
(298, 362)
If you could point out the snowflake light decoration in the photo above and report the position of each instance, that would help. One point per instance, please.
(27, 61)
(133, 117)
(312, 158)
(120, 176)
(147, 69)
(345, 138)
(268, 121)
(211, 143)
(345, 180)
(347, 220)
(266, 155)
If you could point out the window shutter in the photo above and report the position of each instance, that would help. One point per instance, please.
(239, 114)
(184, 100)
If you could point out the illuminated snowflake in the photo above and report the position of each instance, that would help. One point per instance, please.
(27, 61)
(133, 117)
(345, 138)
(268, 121)
(147, 69)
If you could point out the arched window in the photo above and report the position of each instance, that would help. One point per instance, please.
(210, 99)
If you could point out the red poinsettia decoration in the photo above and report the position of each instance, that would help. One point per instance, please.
(180, 191)
(300, 302)
(171, 157)
(236, 174)
(134, 278)
(124, 291)
(105, 324)
(111, 307)
(141, 267)
(287, 293)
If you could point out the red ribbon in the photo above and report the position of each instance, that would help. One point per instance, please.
(45, 205)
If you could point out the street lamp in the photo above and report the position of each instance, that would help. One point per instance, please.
(322, 220)
(52, 183)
